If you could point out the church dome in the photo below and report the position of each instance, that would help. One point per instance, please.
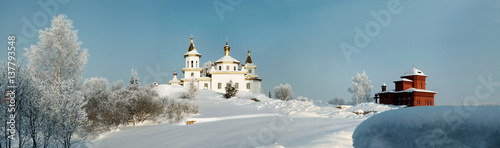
(414, 71)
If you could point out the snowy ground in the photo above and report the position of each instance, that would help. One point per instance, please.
(241, 122)
(432, 126)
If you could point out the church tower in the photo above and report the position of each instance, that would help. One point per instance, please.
(192, 70)
(250, 66)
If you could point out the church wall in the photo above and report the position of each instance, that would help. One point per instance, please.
(224, 78)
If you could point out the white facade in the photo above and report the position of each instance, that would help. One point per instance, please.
(222, 71)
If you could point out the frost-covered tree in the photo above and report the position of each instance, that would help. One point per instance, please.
(360, 88)
(136, 102)
(283, 92)
(230, 90)
(176, 111)
(56, 63)
(305, 99)
(135, 78)
(117, 85)
(28, 118)
(57, 57)
(68, 116)
(206, 68)
(337, 101)
(193, 89)
(96, 93)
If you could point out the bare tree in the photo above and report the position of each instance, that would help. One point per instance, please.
(337, 101)
(283, 92)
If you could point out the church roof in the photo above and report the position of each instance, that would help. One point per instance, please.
(414, 71)
(227, 58)
(409, 90)
(191, 47)
(249, 59)
(192, 50)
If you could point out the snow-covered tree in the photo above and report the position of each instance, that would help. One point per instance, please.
(135, 78)
(305, 99)
(283, 92)
(57, 63)
(68, 117)
(57, 57)
(193, 89)
(206, 68)
(117, 85)
(337, 101)
(360, 89)
(96, 93)
(230, 90)
(176, 111)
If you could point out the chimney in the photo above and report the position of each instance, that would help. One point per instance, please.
(384, 87)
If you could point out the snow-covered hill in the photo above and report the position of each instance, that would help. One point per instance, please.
(241, 122)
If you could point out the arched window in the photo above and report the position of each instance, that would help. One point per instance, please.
(187, 64)
(196, 64)
(249, 70)
(191, 64)
(227, 67)
(421, 85)
(219, 68)
(234, 68)
(192, 74)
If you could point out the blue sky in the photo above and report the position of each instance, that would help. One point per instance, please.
(454, 42)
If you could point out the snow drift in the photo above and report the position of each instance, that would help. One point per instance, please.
(431, 126)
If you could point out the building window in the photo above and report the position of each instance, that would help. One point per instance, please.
(236, 85)
(191, 64)
(219, 85)
(227, 67)
(249, 70)
(421, 85)
(234, 68)
(248, 85)
(219, 68)
(187, 64)
(206, 85)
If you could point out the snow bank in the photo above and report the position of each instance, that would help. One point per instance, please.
(431, 126)
(173, 91)
(372, 107)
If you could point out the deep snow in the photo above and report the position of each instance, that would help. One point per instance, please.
(241, 122)
(431, 126)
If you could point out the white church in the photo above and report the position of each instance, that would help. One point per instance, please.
(221, 72)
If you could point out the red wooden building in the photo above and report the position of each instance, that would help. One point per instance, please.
(410, 91)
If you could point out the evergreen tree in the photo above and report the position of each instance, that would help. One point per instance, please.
(230, 90)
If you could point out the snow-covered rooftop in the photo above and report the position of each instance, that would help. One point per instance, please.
(409, 90)
(403, 79)
(413, 72)
(192, 52)
(226, 58)
(250, 64)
